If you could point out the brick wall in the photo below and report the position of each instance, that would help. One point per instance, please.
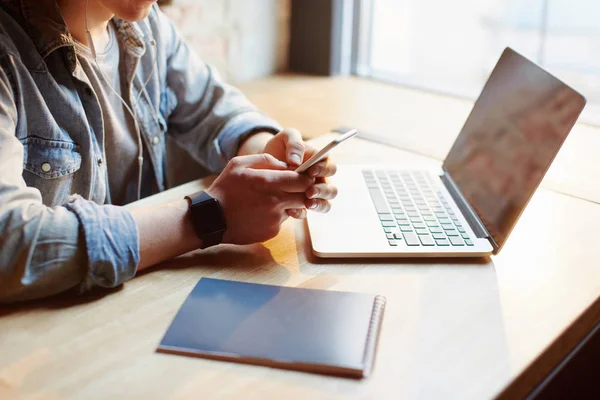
(243, 39)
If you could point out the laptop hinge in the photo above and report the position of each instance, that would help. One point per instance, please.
(466, 209)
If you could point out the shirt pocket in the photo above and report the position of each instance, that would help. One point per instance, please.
(49, 165)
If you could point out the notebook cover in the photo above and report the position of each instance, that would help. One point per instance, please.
(292, 328)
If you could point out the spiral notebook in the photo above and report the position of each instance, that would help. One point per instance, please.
(309, 330)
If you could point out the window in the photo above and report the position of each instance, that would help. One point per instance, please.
(451, 46)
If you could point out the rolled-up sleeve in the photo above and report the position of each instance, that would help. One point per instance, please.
(111, 240)
(206, 116)
(48, 250)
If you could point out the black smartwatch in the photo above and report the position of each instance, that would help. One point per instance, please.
(208, 218)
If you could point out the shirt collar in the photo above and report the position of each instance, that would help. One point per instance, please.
(48, 30)
(43, 22)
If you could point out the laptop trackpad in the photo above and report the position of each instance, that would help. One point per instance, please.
(352, 225)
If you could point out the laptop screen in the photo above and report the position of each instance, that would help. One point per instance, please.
(513, 133)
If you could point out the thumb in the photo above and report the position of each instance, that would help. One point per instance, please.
(260, 161)
(294, 146)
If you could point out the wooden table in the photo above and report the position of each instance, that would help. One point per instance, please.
(452, 328)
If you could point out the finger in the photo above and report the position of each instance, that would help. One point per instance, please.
(322, 191)
(318, 205)
(292, 200)
(323, 169)
(297, 213)
(294, 146)
(286, 181)
(259, 161)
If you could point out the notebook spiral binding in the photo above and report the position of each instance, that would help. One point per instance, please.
(373, 334)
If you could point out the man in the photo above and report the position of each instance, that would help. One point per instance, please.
(89, 91)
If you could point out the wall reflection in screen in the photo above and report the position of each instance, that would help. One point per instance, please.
(515, 129)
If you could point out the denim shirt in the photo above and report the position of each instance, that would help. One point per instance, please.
(55, 231)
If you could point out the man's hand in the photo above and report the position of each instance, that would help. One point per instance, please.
(289, 147)
(255, 191)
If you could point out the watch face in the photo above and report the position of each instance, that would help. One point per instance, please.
(207, 215)
(212, 216)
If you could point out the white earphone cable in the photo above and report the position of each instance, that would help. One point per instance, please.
(140, 157)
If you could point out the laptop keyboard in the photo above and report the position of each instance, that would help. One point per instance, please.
(413, 210)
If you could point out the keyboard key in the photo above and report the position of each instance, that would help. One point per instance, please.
(429, 217)
(389, 235)
(406, 228)
(468, 242)
(396, 210)
(435, 229)
(444, 220)
(403, 222)
(419, 225)
(413, 214)
(388, 230)
(421, 231)
(452, 232)
(392, 243)
(398, 235)
(447, 227)
(442, 242)
(465, 235)
(386, 217)
(456, 241)
(386, 224)
(411, 239)
(378, 201)
(440, 214)
(426, 240)
(438, 236)
(461, 229)
(431, 223)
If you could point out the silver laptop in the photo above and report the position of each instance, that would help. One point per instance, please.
(468, 209)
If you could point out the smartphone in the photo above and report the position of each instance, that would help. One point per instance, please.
(321, 154)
